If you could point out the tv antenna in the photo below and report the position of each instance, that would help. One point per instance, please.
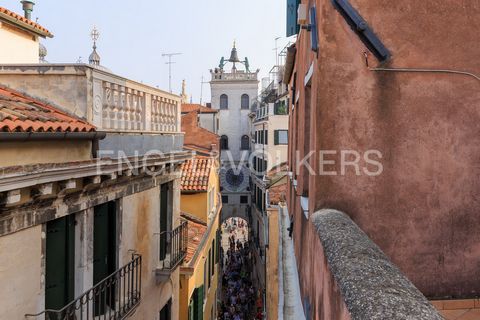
(170, 62)
(201, 89)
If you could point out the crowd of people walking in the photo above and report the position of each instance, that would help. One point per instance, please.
(238, 291)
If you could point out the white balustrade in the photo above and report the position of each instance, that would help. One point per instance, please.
(127, 109)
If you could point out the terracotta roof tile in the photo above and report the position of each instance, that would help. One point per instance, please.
(189, 107)
(196, 231)
(21, 20)
(20, 113)
(195, 174)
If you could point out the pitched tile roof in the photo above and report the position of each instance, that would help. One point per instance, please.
(196, 231)
(23, 22)
(196, 136)
(20, 113)
(195, 174)
(189, 107)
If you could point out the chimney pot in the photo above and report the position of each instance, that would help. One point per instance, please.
(27, 8)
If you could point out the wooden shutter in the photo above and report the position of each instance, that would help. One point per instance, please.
(276, 137)
(198, 303)
(60, 262)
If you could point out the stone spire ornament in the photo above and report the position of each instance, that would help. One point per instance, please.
(94, 58)
(184, 95)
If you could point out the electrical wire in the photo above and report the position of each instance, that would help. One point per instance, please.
(465, 73)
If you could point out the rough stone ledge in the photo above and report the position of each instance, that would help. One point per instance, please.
(371, 285)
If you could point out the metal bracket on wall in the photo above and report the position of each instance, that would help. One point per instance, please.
(312, 28)
(362, 29)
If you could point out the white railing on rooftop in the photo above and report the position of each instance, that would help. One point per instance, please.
(131, 109)
(234, 76)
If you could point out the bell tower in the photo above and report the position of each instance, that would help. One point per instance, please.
(234, 90)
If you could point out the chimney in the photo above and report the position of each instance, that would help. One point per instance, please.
(28, 8)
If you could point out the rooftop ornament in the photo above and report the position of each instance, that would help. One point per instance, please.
(94, 58)
(234, 59)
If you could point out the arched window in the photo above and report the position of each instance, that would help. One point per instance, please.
(245, 104)
(245, 145)
(223, 101)
(224, 142)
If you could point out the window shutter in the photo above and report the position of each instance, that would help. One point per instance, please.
(292, 26)
(198, 303)
(276, 137)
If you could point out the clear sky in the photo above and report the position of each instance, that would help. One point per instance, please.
(135, 33)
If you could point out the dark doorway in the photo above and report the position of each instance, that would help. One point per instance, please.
(60, 262)
(104, 253)
(166, 312)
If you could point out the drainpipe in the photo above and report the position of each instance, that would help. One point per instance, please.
(50, 136)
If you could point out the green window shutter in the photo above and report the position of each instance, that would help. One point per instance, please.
(276, 137)
(198, 303)
(60, 257)
(218, 246)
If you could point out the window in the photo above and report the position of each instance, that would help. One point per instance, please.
(245, 143)
(212, 258)
(223, 101)
(209, 275)
(224, 142)
(165, 217)
(281, 137)
(256, 136)
(245, 103)
(224, 199)
(243, 199)
(280, 108)
(266, 137)
(211, 200)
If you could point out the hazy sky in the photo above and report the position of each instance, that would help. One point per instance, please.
(135, 33)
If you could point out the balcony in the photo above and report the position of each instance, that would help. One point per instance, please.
(173, 249)
(115, 297)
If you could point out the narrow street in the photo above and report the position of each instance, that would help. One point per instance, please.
(238, 291)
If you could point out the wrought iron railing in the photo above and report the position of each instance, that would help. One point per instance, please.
(173, 246)
(115, 297)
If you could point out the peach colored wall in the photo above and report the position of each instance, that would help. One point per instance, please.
(20, 153)
(422, 210)
(17, 46)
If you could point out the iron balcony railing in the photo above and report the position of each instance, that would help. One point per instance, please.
(173, 246)
(115, 297)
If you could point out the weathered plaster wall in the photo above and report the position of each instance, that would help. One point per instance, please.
(66, 87)
(140, 228)
(17, 46)
(423, 209)
(21, 153)
(195, 204)
(130, 144)
(22, 289)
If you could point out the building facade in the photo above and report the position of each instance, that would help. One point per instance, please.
(207, 117)
(20, 38)
(376, 102)
(201, 206)
(232, 95)
(89, 192)
(270, 144)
